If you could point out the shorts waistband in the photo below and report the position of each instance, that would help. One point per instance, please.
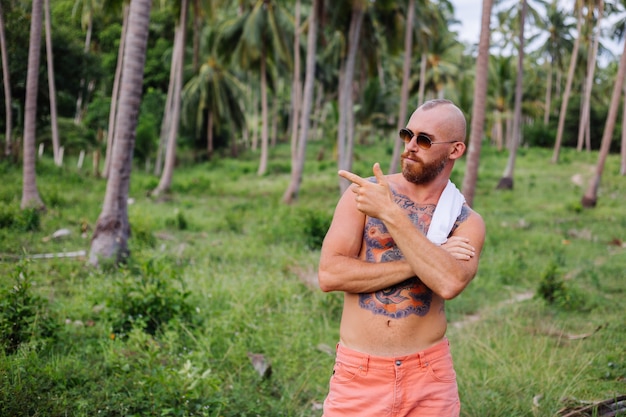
(417, 359)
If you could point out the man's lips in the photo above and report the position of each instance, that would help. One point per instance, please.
(410, 157)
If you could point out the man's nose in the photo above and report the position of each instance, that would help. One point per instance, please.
(411, 145)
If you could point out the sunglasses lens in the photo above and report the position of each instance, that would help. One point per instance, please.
(406, 135)
(423, 141)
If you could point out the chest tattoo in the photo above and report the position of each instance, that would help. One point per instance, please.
(410, 296)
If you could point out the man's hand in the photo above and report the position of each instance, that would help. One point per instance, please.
(372, 198)
(459, 247)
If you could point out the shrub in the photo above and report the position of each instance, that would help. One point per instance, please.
(553, 289)
(141, 228)
(8, 215)
(29, 220)
(147, 299)
(23, 315)
(538, 134)
(26, 220)
(316, 224)
(551, 286)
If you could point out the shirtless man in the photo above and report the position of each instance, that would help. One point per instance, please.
(393, 358)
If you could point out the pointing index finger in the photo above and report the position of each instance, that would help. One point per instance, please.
(352, 177)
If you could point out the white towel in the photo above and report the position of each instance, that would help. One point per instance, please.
(448, 209)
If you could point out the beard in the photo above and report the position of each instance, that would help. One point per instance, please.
(419, 172)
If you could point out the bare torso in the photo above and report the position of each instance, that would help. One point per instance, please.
(405, 318)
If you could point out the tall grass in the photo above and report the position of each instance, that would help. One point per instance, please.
(221, 269)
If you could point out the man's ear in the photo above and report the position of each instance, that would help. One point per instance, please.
(458, 150)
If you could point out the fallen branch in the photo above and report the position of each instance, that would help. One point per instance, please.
(607, 408)
(75, 254)
(569, 336)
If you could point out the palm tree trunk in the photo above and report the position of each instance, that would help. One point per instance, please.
(7, 87)
(622, 170)
(52, 87)
(297, 169)
(548, 102)
(209, 134)
(177, 61)
(78, 116)
(345, 93)
(479, 106)
(264, 116)
(422, 88)
(110, 238)
(568, 87)
(295, 87)
(166, 122)
(404, 92)
(275, 110)
(197, 29)
(115, 93)
(583, 127)
(30, 194)
(506, 182)
(590, 198)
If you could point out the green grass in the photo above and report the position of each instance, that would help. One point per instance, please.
(226, 269)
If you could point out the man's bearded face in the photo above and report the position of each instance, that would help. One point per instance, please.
(417, 171)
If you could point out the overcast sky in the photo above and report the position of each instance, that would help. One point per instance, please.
(468, 13)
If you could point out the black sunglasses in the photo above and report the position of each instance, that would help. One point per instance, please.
(423, 141)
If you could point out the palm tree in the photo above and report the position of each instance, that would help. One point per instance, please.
(619, 30)
(172, 112)
(622, 170)
(7, 86)
(30, 194)
(589, 77)
(296, 86)
(406, 77)
(52, 87)
(479, 106)
(297, 166)
(444, 54)
(115, 92)
(110, 238)
(210, 98)
(439, 56)
(559, 41)
(258, 36)
(506, 182)
(590, 198)
(88, 9)
(501, 96)
(568, 85)
(345, 135)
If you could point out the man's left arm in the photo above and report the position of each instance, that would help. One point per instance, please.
(437, 268)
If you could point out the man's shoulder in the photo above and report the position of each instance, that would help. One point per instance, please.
(468, 214)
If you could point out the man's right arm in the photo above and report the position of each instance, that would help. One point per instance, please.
(341, 268)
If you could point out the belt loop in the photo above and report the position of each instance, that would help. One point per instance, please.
(420, 356)
(365, 363)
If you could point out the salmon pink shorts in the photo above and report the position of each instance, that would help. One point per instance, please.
(421, 384)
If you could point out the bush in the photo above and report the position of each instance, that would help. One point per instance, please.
(23, 316)
(538, 134)
(316, 224)
(29, 220)
(8, 216)
(26, 220)
(147, 299)
(553, 289)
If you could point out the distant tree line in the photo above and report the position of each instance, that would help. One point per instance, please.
(218, 77)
